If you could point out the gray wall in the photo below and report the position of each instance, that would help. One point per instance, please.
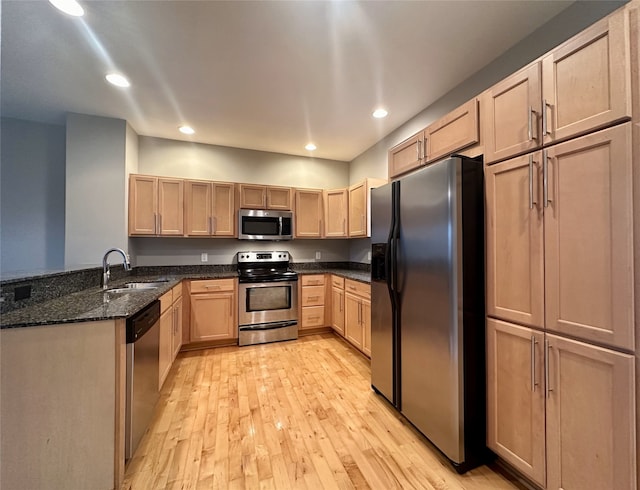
(373, 162)
(96, 199)
(32, 175)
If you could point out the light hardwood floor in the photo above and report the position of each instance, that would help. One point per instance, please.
(297, 414)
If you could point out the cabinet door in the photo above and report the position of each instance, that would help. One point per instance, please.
(335, 213)
(166, 347)
(590, 417)
(177, 328)
(455, 131)
(337, 310)
(253, 196)
(198, 208)
(213, 316)
(308, 214)
(171, 207)
(407, 155)
(352, 320)
(511, 120)
(279, 198)
(585, 82)
(588, 238)
(515, 397)
(143, 205)
(366, 326)
(514, 237)
(224, 210)
(357, 210)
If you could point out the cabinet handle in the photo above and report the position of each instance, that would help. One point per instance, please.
(530, 123)
(359, 313)
(213, 286)
(313, 297)
(530, 181)
(545, 128)
(545, 178)
(209, 232)
(547, 348)
(314, 317)
(341, 302)
(418, 149)
(159, 223)
(533, 363)
(214, 224)
(344, 225)
(155, 223)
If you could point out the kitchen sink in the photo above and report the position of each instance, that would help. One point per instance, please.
(133, 287)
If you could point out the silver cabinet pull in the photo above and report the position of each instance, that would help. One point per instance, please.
(419, 143)
(213, 225)
(155, 223)
(547, 388)
(533, 363)
(545, 124)
(209, 232)
(530, 181)
(530, 124)
(545, 178)
(344, 225)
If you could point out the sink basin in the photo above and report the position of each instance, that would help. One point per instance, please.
(144, 285)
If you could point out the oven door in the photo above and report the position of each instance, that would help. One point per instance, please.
(267, 302)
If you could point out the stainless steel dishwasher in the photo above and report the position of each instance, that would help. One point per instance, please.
(143, 342)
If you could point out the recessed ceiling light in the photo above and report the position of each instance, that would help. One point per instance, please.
(117, 80)
(186, 130)
(310, 147)
(380, 113)
(70, 7)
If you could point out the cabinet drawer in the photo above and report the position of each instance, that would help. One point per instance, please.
(166, 300)
(337, 282)
(212, 285)
(359, 288)
(177, 292)
(313, 280)
(313, 295)
(312, 316)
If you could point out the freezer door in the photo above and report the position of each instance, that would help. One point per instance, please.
(382, 328)
(430, 366)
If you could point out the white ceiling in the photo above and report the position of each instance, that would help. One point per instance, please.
(265, 75)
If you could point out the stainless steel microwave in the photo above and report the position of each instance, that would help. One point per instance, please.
(259, 224)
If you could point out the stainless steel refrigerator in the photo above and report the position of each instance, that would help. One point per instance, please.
(427, 304)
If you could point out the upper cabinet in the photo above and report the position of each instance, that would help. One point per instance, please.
(582, 85)
(264, 197)
(155, 206)
(359, 204)
(336, 208)
(455, 131)
(308, 213)
(210, 208)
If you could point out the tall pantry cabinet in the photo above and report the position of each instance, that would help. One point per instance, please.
(560, 264)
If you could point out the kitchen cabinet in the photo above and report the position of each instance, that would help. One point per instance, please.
(580, 86)
(359, 206)
(457, 130)
(357, 315)
(312, 301)
(155, 206)
(337, 304)
(176, 333)
(264, 197)
(210, 208)
(584, 396)
(309, 213)
(336, 208)
(167, 318)
(579, 281)
(407, 155)
(213, 305)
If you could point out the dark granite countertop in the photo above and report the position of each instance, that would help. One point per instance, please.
(93, 304)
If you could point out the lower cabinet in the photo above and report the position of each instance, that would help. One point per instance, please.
(213, 310)
(357, 315)
(571, 400)
(312, 301)
(170, 331)
(337, 304)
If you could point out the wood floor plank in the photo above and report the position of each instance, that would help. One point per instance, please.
(289, 415)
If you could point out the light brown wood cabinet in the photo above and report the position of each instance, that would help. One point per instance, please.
(407, 155)
(170, 331)
(312, 301)
(176, 336)
(359, 206)
(457, 130)
(155, 206)
(357, 315)
(580, 86)
(336, 209)
(581, 393)
(254, 196)
(337, 304)
(309, 213)
(213, 310)
(210, 208)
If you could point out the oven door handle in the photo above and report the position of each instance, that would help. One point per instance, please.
(267, 326)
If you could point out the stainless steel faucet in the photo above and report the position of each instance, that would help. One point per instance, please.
(106, 273)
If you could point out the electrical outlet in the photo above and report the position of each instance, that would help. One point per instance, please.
(204, 257)
(318, 255)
